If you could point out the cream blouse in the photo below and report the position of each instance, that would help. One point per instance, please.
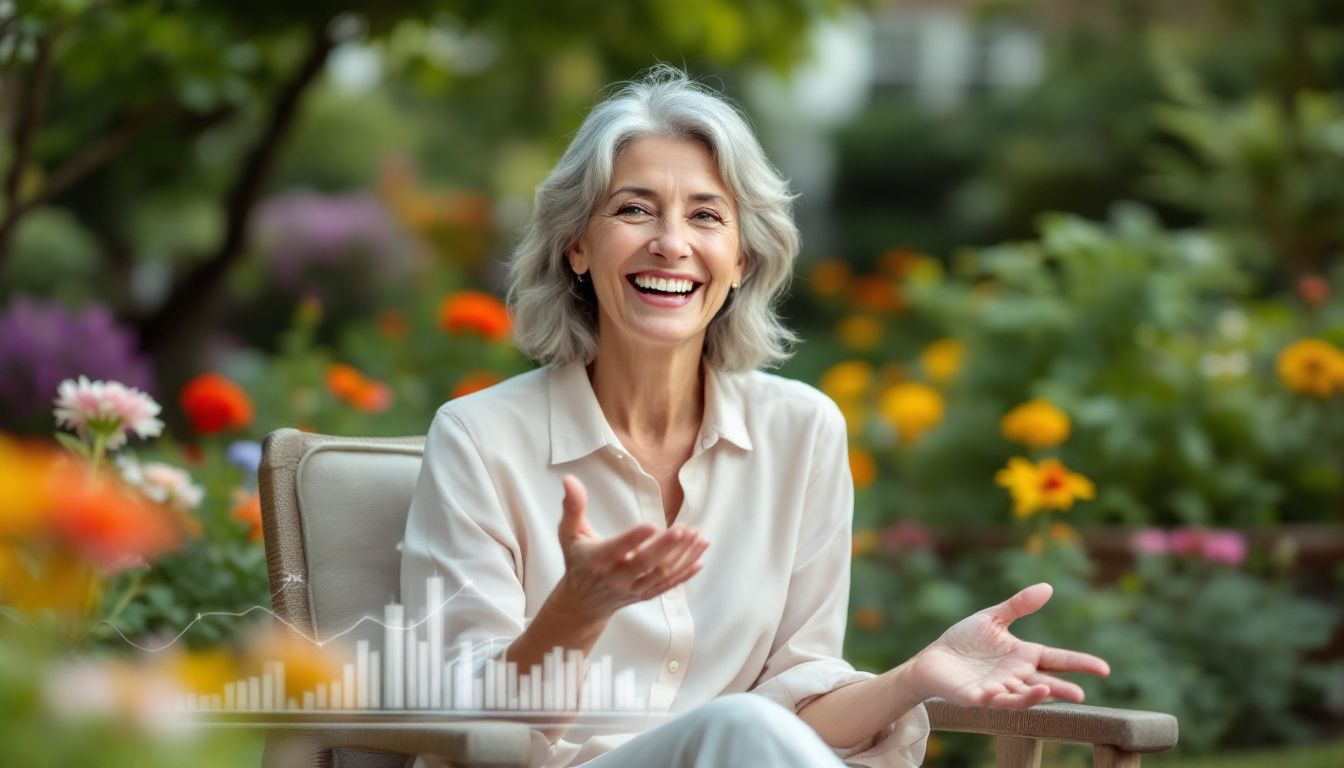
(767, 484)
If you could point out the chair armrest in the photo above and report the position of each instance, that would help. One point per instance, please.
(1130, 730)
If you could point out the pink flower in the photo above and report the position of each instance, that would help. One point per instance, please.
(905, 535)
(1226, 547)
(1151, 541)
(163, 483)
(108, 410)
(1186, 541)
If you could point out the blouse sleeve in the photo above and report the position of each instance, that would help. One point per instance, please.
(806, 657)
(457, 529)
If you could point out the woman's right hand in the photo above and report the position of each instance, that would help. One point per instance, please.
(604, 575)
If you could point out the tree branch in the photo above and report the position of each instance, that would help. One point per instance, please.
(30, 108)
(197, 291)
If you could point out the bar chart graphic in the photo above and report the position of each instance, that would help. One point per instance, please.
(415, 670)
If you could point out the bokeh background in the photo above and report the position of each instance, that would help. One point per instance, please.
(1070, 269)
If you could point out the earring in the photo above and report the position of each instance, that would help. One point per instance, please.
(578, 276)
(736, 286)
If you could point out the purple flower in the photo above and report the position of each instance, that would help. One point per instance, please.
(245, 455)
(303, 230)
(43, 343)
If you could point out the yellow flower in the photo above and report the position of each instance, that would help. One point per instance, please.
(23, 492)
(1047, 485)
(942, 360)
(1036, 424)
(1312, 367)
(912, 409)
(1059, 533)
(830, 278)
(862, 467)
(865, 541)
(861, 332)
(848, 380)
(856, 415)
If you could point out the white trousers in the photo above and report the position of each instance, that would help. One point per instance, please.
(741, 729)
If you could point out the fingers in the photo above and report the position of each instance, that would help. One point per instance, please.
(1024, 603)
(1058, 689)
(679, 565)
(574, 519)
(620, 549)
(661, 554)
(1026, 696)
(1061, 660)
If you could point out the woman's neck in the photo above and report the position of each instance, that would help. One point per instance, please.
(650, 396)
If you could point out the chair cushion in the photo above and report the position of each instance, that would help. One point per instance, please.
(353, 501)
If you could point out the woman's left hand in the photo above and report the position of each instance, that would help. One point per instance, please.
(978, 662)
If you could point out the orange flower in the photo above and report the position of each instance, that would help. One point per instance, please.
(829, 278)
(106, 522)
(215, 404)
(868, 619)
(864, 541)
(347, 384)
(1059, 533)
(862, 467)
(876, 295)
(247, 510)
(1036, 424)
(475, 312)
(23, 496)
(475, 382)
(392, 325)
(1048, 485)
(859, 332)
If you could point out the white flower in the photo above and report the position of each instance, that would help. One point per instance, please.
(107, 409)
(161, 482)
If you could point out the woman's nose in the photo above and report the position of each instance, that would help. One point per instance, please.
(670, 242)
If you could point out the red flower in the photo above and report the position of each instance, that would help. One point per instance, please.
(475, 312)
(215, 404)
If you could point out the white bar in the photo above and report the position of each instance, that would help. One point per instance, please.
(605, 691)
(309, 701)
(434, 608)
(291, 703)
(394, 673)
(231, 696)
(321, 696)
(501, 685)
(267, 690)
(535, 679)
(524, 693)
(462, 678)
(412, 676)
(511, 684)
(281, 693)
(348, 687)
(337, 695)
(216, 701)
(488, 683)
(548, 682)
(422, 666)
(477, 695)
(253, 693)
(446, 697)
(573, 674)
(362, 674)
(375, 680)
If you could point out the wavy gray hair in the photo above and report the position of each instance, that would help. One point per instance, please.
(555, 318)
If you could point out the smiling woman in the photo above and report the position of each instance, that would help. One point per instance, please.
(646, 283)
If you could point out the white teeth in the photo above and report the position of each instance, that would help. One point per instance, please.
(664, 284)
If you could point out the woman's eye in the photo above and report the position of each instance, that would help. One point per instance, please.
(707, 216)
(630, 210)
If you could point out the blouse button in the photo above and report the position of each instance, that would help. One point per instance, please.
(673, 665)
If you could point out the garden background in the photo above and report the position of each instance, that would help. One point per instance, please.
(1070, 270)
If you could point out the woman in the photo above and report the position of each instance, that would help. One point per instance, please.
(703, 507)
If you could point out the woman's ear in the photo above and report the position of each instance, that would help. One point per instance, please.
(578, 257)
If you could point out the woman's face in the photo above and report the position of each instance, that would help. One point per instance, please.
(662, 249)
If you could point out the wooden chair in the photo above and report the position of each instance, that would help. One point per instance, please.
(333, 512)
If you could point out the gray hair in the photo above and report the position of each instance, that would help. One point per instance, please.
(555, 319)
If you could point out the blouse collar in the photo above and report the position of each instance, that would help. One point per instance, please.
(578, 427)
